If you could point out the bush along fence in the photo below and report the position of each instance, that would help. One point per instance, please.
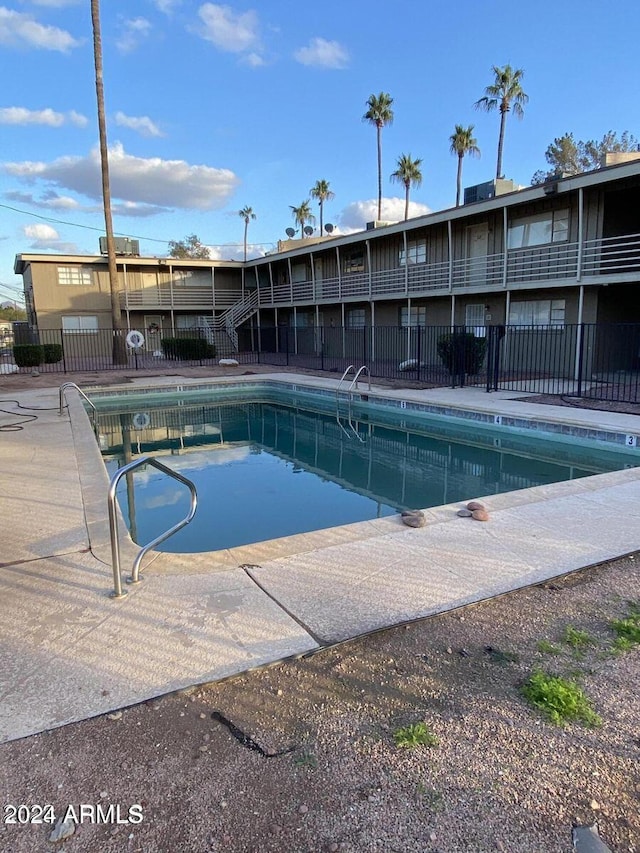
(601, 361)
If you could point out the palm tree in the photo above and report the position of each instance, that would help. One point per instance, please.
(302, 214)
(379, 113)
(119, 349)
(322, 192)
(463, 142)
(247, 214)
(504, 93)
(409, 174)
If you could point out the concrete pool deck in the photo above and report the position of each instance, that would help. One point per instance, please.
(68, 651)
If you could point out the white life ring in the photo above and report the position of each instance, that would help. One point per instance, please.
(135, 339)
(141, 420)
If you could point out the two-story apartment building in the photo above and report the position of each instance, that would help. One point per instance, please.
(565, 252)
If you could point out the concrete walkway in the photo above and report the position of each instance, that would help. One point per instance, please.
(68, 651)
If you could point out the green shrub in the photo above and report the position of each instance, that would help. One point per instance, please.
(462, 351)
(52, 353)
(560, 699)
(28, 355)
(188, 349)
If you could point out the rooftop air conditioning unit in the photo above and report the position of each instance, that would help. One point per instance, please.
(377, 223)
(490, 189)
(123, 246)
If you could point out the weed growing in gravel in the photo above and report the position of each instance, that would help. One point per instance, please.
(547, 648)
(627, 630)
(306, 759)
(559, 699)
(432, 799)
(575, 638)
(415, 734)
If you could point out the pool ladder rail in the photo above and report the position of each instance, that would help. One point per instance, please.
(113, 520)
(353, 386)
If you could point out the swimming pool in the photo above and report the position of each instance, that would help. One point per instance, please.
(272, 460)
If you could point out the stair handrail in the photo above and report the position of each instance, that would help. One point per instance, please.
(113, 520)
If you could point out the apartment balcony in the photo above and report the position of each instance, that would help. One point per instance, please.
(184, 298)
(607, 260)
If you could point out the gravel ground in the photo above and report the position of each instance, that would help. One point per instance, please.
(300, 757)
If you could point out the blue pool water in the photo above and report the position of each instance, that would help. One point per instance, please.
(265, 469)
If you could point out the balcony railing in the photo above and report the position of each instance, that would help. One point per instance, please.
(183, 296)
(609, 258)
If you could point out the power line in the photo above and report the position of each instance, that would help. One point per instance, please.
(118, 233)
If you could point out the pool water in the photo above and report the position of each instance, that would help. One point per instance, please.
(265, 469)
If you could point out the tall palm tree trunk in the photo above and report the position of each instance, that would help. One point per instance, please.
(379, 172)
(119, 349)
(246, 228)
(503, 121)
(459, 180)
(321, 217)
(406, 200)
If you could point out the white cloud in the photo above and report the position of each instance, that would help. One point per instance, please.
(254, 60)
(41, 232)
(166, 6)
(141, 124)
(150, 181)
(355, 216)
(56, 4)
(321, 53)
(235, 252)
(78, 119)
(18, 30)
(21, 115)
(50, 200)
(232, 32)
(134, 30)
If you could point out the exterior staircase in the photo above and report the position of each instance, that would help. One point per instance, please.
(224, 326)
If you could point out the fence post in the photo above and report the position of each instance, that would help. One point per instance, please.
(321, 331)
(580, 357)
(419, 350)
(286, 342)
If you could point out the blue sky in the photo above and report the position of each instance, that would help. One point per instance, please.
(212, 107)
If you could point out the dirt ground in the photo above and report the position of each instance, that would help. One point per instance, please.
(301, 757)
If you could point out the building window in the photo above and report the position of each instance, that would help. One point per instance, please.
(416, 317)
(354, 262)
(75, 276)
(356, 318)
(75, 324)
(538, 230)
(548, 313)
(416, 253)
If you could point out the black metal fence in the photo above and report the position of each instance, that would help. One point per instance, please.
(600, 361)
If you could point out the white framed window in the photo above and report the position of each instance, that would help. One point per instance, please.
(416, 253)
(548, 313)
(416, 317)
(354, 262)
(76, 324)
(538, 230)
(75, 276)
(356, 318)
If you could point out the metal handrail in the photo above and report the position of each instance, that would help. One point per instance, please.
(344, 376)
(113, 520)
(64, 387)
(354, 383)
